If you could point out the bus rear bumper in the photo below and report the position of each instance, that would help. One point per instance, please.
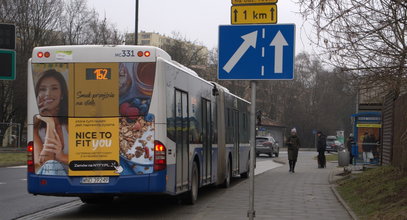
(154, 183)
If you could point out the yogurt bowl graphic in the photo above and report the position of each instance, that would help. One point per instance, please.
(139, 168)
(144, 75)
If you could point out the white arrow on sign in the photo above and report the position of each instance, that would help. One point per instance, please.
(249, 41)
(278, 42)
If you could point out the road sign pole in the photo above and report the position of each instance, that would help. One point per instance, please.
(251, 213)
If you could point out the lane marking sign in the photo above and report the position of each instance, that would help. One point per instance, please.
(256, 52)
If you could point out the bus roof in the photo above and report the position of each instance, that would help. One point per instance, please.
(97, 53)
(228, 92)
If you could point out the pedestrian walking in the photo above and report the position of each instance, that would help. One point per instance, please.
(321, 147)
(349, 143)
(293, 145)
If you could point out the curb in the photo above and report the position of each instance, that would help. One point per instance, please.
(278, 160)
(348, 209)
(338, 196)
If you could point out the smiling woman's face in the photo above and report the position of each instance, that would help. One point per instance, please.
(49, 95)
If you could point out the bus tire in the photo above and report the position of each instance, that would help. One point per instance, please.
(228, 176)
(192, 195)
(96, 199)
(246, 174)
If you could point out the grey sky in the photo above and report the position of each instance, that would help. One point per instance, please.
(195, 19)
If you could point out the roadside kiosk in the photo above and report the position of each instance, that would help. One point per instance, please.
(367, 133)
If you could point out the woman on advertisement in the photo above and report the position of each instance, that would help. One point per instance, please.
(50, 126)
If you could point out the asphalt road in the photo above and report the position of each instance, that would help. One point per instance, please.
(17, 203)
(15, 200)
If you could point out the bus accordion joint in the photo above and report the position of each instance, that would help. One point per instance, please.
(30, 157)
(160, 160)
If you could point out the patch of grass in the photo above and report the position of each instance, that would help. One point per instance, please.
(329, 157)
(12, 159)
(379, 193)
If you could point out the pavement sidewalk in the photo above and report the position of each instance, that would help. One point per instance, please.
(306, 194)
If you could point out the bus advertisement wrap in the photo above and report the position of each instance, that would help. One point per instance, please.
(93, 119)
(93, 149)
(51, 124)
(136, 84)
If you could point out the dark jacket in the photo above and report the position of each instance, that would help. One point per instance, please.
(321, 144)
(367, 144)
(293, 145)
(349, 143)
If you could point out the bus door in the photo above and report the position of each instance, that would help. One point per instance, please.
(182, 128)
(235, 124)
(206, 140)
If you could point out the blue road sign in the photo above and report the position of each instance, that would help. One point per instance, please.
(256, 52)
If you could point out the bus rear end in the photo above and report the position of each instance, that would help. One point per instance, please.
(92, 121)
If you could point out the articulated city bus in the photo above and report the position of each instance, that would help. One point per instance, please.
(105, 121)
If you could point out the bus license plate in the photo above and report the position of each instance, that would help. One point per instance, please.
(95, 180)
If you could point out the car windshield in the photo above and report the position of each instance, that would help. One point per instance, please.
(260, 140)
(330, 142)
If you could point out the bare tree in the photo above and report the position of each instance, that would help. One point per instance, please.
(192, 54)
(46, 22)
(364, 37)
(102, 32)
(6, 104)
(318, 98)
(75, 21)
(35, 21)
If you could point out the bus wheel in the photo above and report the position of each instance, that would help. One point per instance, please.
(192, 195)
(96, 199)
(228, 176)
(245, 175)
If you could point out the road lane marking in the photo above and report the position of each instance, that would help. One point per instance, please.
(18, 167)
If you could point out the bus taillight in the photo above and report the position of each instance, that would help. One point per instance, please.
(30, 157)
(160, 158)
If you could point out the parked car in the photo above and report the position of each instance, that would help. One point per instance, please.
(332, 144)
(339, 145)
(267, 145)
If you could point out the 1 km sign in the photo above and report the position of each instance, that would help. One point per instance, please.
(242, 2)
(254, 14)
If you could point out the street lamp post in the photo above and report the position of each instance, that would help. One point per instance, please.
(136, 25)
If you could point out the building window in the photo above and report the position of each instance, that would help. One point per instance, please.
(145, 36)
(145, 42)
